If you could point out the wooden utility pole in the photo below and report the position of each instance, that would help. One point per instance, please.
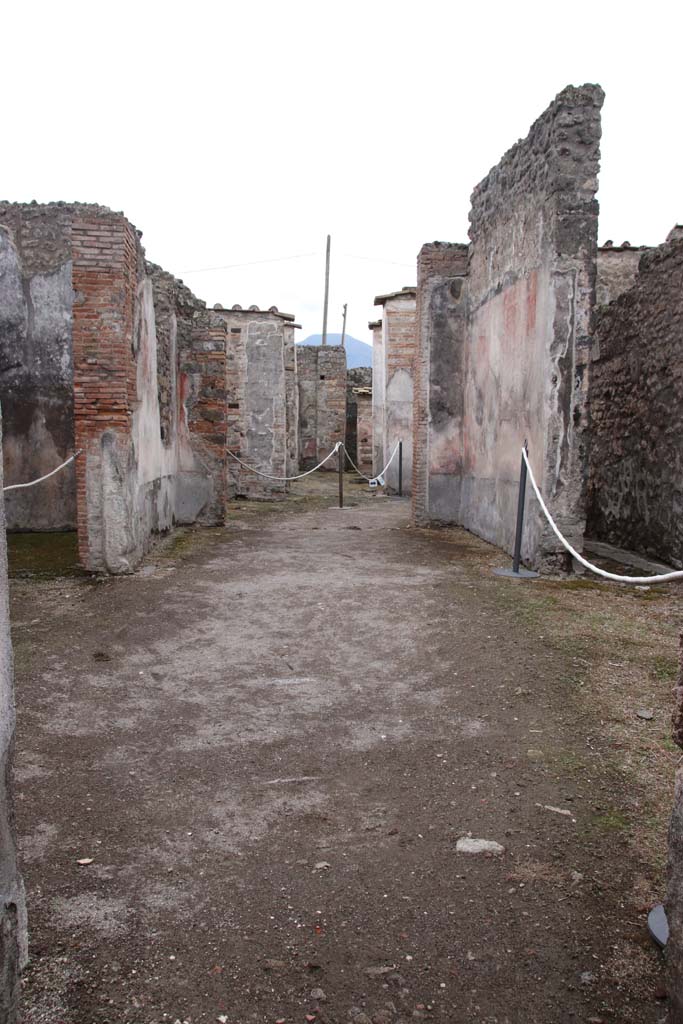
(344, 326)
(327, 290)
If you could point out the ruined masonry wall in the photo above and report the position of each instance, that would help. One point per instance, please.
(36, 363)
(531, 289)
(189, 387)
(617, 271)
(635, 493)
(399, 340)
(364, 432)
(322, 402)
(378, 380)
(256, 388)
(292, 400)
(439, 387)
(356, 377)
(13, 936)
(143, 426)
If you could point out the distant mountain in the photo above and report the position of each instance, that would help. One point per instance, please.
(358, 353)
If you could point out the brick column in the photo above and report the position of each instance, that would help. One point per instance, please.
(105, 255)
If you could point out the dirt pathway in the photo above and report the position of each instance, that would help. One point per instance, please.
(268, 743)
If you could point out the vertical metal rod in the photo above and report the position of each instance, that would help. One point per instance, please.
(520, 514)
(341, 455)
(327, 290)
(400, 469)
(344, 325)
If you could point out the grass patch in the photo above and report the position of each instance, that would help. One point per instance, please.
(664, 668)
(611, 821)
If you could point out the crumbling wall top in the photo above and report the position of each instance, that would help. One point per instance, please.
(556, 163)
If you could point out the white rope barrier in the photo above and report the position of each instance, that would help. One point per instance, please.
(286, 478)
(379, 476)
(662, 578)
(32, 483)
(355, 466)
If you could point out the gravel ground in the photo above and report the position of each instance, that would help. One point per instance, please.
(265, 745)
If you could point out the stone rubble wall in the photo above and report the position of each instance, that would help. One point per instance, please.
(13, 934)
(322, 402)
(635, 490)
(617, 271)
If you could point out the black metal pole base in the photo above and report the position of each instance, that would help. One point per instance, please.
(519, 574)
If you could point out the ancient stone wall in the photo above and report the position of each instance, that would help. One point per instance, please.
(674, 889)
(617, 270)
(377, 396)
(36, 363)
(635, 492)
(439, 384)
(292, 398)
(257, 398)
(398, 349)
(13, 937)
(364, 430)
(190, 373)
(322, 402)
(356, 377)
(531, 289)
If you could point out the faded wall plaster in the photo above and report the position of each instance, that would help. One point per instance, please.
(398, 348)
(13, 934)
(36, 372)
(531, 288)
(439, 382)
(260, 398)
(378, 381)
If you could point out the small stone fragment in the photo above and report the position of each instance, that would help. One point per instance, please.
(556, 810)
(322, 865)
(274, 965)
(318, 995)
(645, 714)
(468, 845)
(378, 972)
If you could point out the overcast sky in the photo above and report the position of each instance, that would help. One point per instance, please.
(239, 133)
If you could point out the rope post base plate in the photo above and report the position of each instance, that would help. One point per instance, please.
(520, 574)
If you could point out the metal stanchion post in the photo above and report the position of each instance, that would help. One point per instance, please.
(341, 457)
(400, 469)
(516, 571)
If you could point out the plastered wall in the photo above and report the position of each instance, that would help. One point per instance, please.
(36, 363)
(13, 935)
(398, 348)
(513, 362)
